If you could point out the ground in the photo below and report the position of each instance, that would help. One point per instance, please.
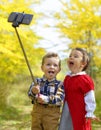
(22, 121)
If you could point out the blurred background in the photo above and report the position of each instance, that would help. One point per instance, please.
(57, 25)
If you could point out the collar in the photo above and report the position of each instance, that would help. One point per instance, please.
(45, 79)
(80, 73)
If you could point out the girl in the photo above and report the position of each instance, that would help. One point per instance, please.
(79, 94)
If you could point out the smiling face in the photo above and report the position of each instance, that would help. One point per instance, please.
(51, 67)
(75, 61)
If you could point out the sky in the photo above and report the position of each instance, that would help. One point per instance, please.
(52, 40)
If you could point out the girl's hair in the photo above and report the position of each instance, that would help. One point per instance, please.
(86, 58)
(50, 55)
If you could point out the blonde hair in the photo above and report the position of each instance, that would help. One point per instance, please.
(50, 55)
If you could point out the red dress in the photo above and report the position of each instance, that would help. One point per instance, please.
(75, 89)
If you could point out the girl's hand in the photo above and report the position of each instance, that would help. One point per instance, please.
(93, 119)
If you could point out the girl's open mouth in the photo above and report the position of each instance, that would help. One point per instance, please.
(71, 63)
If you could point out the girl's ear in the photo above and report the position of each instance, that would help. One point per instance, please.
(84, 64)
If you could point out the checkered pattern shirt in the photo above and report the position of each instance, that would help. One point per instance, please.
(53, 89)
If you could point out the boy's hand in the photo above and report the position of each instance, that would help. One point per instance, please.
(40, 99)
(36, 89)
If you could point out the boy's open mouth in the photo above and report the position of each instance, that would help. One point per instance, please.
(51, 72)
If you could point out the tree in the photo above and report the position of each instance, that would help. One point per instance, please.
(81, 23)
(12, 62)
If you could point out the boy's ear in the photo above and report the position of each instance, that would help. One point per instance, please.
(41, 67)
(59, 69)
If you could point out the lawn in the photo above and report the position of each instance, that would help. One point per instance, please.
(16, 116)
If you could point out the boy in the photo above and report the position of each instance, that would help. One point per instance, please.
(48, 95)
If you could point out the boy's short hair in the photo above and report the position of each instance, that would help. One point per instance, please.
(86, 58)
(50, 55)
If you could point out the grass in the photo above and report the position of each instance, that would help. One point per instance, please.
(16, 120)
(16, 116)
(97, 125)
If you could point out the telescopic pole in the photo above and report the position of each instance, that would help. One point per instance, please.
(32, 76)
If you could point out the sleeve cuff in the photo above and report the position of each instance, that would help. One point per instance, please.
(45, 98)
(90, 114)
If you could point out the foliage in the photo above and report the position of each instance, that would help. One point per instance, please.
(12, 61)
(80, 22)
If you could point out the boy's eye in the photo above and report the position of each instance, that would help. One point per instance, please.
(55, 65)
(48, 64)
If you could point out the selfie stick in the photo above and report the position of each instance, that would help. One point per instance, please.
(18, 18)
(25, 57)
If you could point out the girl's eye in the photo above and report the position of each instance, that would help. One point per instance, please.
(76, 56)
(70, 56)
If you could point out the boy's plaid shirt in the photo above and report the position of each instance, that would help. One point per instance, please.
(53, 89)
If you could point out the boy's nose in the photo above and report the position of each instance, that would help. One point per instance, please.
(52, 66)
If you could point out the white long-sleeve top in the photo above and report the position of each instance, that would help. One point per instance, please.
(90, 104)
